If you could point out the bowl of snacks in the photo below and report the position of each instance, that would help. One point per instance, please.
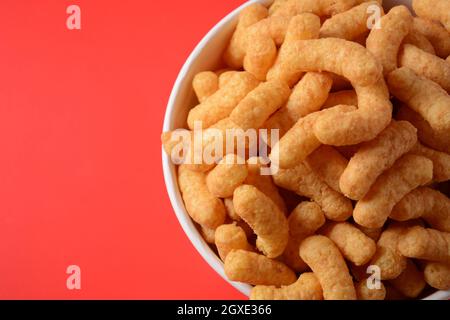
(306, 149)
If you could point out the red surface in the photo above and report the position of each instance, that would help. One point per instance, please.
(80, 172)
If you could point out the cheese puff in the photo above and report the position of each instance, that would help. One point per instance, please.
(423, 96)
(223, 101)
(426, 65)
(307, 287)
(425, 244)
(372, 233)
(347, 97)
(438, 10)
(426, 203)
(338, 56)
(328, 164)
(427, 135)
(203, 207)
(208, 234)
(225, 77)
(235, 52)
(256, 269)
(264, 182)
(306, 97)
(259, 104)
(349, 24)
(375, 157)
(264, 217)
(384, 42)
(229, 174)
(410, 282)
(318, 7)
(300, 141)
(230, 237)
(260, 55)
(205, 84)
(373, 115)
(305, 26)
(276, 5)
(304, 221)
(303, 181)
(390, 263)
(437, 275)
(174, 147)
(363, 292)
(408, 173)
(327, 263)
(420, 41)
(435, 33)
(354, 245)
(441, 161)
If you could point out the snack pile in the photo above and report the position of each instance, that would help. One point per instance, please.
(358, 206)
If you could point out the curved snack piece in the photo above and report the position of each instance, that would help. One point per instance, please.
(327, 263)
(223, 101)
(300, 141)
(208, 234)
(349, 24)
(260, 55)
(235, 53)
(372, 233)
(364, 293)
(425, 244)
(253, 111)
(437, 275)
(384, 42)
(202, 206)
(205, 84)
(438, 10)
(346, 97)
(306, 97)
(230, 237)
(420, 41)
(427, 135)
(263, 182)
(375, 157)
(318, 7)
(333, 55)
(435, 33)
(354, 245)
(328, 164)
(373, 115)
(423, 96)
(408, 173)
(229, 174)
(441, 161)
(264, 217)
(387, 256)
(305, 26)
(276, 5)
(256, 269)
(307, 287)
(410, 282)
(303, 181)
(426, 65)
(304, 221)
(426, 203)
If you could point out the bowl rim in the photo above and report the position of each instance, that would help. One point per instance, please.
(169, 171)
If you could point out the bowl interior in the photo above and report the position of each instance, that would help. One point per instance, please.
(207, 56)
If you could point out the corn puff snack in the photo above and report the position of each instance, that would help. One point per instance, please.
(435, 33)
(327, 263)
(408, 173)
(437, 275)
(205, 84)
(307, 287)
(230, 237)
(437, 10)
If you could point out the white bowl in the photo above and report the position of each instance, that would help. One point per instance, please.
(206, 56)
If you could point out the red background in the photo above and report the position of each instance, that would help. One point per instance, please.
(81, 182)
